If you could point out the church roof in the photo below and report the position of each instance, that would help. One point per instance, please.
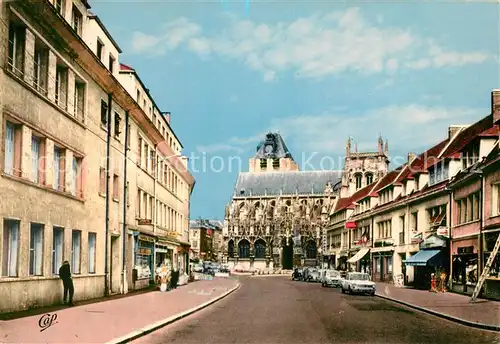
(286, 183)
(279, 148)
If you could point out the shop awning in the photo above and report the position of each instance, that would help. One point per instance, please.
(422, 258)
(360, 254)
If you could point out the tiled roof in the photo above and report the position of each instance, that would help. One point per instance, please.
(467, 135)
(286, 183)
(424, 160)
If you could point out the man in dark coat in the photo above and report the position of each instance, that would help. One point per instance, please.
(65, 275)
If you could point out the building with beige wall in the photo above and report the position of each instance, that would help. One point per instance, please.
(64, 116)
(400, 226)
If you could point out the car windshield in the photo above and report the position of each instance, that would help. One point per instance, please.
(333, 274)
(360, 277)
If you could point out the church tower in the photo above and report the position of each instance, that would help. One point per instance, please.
(272, 156)
(363, 168)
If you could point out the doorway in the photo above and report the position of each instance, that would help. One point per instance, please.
(287, 256)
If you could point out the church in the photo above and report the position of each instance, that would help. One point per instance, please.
(278, 214)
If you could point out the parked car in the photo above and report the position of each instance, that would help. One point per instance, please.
(312, 275)
(358, 282)
(331, 278)
(297, 274)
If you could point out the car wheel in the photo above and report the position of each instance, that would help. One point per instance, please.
(372, 293)
(343, 291)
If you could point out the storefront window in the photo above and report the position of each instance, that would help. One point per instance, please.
(389, 265)
(465, 269)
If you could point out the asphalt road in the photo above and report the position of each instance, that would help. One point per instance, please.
(270, 310)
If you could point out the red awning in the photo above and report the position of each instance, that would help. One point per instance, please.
(350, 225)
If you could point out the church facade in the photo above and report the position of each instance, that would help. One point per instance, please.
(278, 214)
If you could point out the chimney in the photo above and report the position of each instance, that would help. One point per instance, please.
(167, 116)
(411, 157)
(495, 106)
(453, 129)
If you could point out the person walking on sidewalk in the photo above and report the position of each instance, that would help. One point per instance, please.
(65, 275)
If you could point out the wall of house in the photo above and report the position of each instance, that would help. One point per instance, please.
(94, 33)
(491, 217)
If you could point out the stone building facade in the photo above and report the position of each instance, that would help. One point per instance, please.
(277, 215)
(67, 123)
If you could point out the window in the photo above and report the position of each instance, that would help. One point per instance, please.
(62, 86)
(111, 63)
(76, 183)
(116, 187)
(244, 249)
(10, 248)
(17, 38)
(263, 163)
(276, 162)
(79, 100)
(104, 112)
(76, 251)
(151, 160)
(138, 96)
(60, 6)
(260, 249)
(369, 178)
(59, 169)
(127, 193)
(36, 249)
(92, 252)
(496, 189)
(102, 180)
(77, 20)
(100, 49)
(117, 124)
(358, 181)
(129, 133)
(468, 208)
(150, 208)
(12, 161)
(41, 67)
(139, 151)
(437, 216)
(37, 160)
(57, 249)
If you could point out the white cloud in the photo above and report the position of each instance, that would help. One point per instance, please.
(405, 126)
(311, 47)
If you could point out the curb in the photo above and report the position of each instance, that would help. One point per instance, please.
(156, 326)
(482, 326)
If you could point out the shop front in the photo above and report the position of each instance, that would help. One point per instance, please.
(142, 274)
(464, 267)
(492, 282)
(164, 254)
(360, 261)
(382, 259)
(432, 258)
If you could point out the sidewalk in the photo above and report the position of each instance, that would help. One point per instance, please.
(483, 314)
(118, 320)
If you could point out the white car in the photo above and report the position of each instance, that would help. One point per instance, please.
(312, 275)
(358, 282)
(331, 278)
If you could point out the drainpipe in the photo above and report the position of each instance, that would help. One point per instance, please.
(126, 192)
(108, 163)
(450, 202)
(153, 218)
(480, 261)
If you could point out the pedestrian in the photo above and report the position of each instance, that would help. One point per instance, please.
(65, 275)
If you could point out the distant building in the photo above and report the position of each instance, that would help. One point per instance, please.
(277, 215)
(205, 239)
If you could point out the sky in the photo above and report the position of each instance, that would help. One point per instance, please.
(317, 72)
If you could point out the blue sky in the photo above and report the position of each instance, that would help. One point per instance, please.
(317, 72)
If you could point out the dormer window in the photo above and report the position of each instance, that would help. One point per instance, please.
(60, 6)
(438, 172)
(111, 63)
(99, 49)
(470, 155)
(77, 20)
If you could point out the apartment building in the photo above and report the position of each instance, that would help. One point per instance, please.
(475, 207)
(161, 188)
(67, 125)
(400, 225)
